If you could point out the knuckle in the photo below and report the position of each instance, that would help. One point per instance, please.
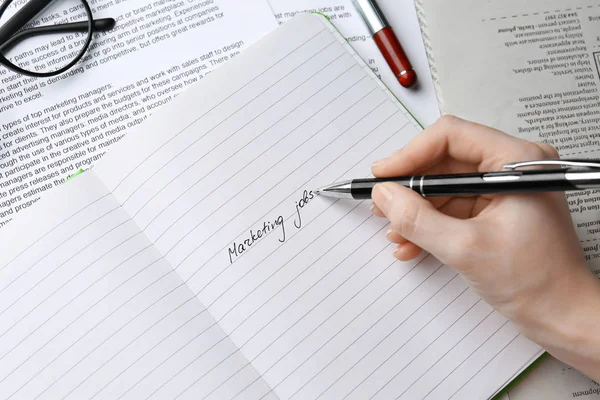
(534, 151)
(407, 220)
(549, 150)
(468, 240)
(448, 121)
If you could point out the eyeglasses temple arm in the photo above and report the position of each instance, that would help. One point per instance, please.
(22, 17)
(98, 25)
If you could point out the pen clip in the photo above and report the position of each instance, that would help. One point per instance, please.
(561, 163)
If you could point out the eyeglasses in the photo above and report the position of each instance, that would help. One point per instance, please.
(43, 38)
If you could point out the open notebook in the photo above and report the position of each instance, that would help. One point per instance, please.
(194, 261)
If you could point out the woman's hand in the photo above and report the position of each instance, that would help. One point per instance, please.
(519, 252)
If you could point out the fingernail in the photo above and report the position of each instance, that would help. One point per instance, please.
(383, 196)
(388, 234)
(397, 252)
(379, 163)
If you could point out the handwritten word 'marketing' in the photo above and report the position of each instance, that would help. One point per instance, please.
(237, 249)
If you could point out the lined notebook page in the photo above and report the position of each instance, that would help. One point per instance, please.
(89, 308)
(305, 287)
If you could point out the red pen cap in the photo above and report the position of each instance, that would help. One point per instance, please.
(387, 42)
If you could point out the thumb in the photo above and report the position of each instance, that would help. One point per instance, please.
(419, 222)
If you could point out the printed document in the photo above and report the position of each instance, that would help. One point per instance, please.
(52, 127)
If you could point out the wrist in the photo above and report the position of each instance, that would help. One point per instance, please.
(566, 322)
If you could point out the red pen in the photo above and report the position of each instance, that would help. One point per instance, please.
(387, 42)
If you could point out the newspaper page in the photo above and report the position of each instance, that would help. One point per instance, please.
(531, 69)
(52, 127)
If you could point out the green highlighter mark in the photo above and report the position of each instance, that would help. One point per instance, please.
(320, 13)
(75, 174)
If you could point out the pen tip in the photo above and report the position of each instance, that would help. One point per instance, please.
(320, 190)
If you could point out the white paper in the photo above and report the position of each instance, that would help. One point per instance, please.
(51, 127)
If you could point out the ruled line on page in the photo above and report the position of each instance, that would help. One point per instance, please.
(136, 339)
(54, 270)
(221, 318)
(254, 118)
(240, 169)
(277, 205)
(331, 293)
(366, 331)
(52, 230)
(369, 351)
(373, 325)
(188, 365)
(105, 363)
(275, 250)
(231, 219)
(149, 351)
(192, 318)
(448, 351)
(242, 148)
(430, 344)
(60, 287)
(337, 310)
(312, 220)
(265, 303)
(263, 173)
(264, 326)
(325, 298)
(434, 341)
(59, 266)
(340, 330)
(87, 310)
(490, 360)
(99, 345)
(468, 356)
(172, 355)
(103, 342)
(217, 105)
(321, 301)
(55, 248)
(292, 259)
(62, 308)
(280, 290)
(385, 338)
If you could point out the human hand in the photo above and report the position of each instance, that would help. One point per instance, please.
(519, 252)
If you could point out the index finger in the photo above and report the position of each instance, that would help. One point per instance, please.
(467, 142)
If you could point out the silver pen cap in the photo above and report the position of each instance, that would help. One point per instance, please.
(371, 14)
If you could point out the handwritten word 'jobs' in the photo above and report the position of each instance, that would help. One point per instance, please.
(255, 235)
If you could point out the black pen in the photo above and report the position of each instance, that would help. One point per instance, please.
(578, 175)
